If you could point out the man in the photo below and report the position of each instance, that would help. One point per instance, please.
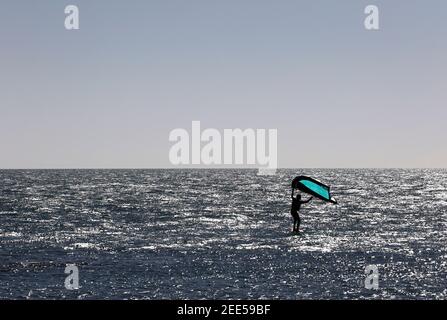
(296, 205)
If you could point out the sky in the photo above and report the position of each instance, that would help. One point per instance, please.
(109, 94)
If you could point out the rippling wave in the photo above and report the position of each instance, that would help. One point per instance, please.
(156, 234)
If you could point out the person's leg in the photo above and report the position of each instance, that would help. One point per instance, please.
(298, 223)
(294, 224)
(293, 217)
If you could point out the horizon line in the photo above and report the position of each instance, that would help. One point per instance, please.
(219, 168)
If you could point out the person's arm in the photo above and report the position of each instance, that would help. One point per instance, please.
(293, 190)
(307, 200)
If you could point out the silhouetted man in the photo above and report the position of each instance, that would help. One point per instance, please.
(296, 205)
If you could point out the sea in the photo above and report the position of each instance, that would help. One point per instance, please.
(221, 234)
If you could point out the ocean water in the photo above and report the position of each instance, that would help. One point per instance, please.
(221, 234)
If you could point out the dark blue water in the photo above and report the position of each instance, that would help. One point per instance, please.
(155, 234)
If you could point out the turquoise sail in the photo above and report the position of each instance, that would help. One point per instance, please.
(313, 187)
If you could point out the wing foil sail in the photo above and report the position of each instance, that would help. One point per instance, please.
(313, 187)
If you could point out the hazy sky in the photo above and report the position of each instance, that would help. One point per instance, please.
(108, 95)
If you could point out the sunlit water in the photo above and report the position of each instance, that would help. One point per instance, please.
(220, 234)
